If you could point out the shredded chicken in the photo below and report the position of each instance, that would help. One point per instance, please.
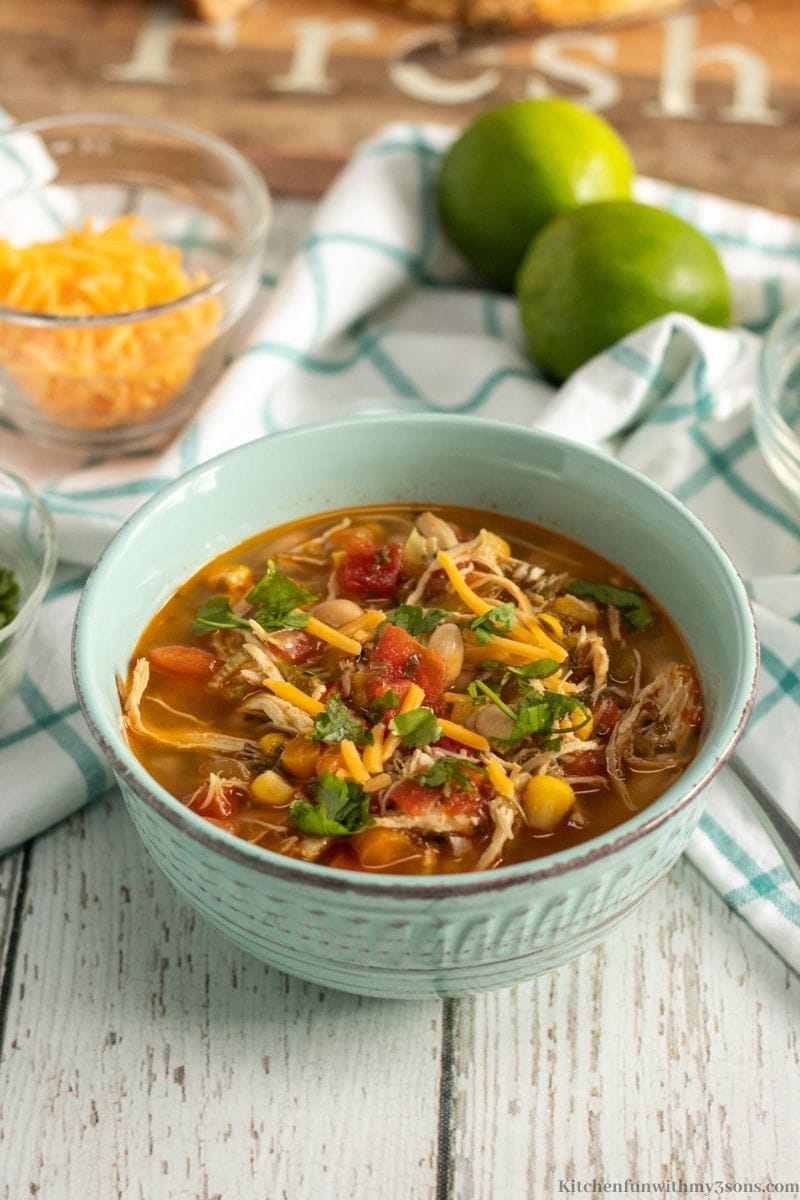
(434, 821)
(179, 738)
(504, 815)
(280, 713)
(650, 736)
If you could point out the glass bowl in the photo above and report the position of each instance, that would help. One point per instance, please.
(777, 403)
(123, 381)
(28, 550)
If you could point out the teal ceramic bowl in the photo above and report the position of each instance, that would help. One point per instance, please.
(403, 936)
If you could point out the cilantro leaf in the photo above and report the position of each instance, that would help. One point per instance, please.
(416, 728)
(448, 771)
(336, 724)
(9, 596)
(275, 597)
(382, 704)
(217, 613)
(416, 620)
(494, 623)
(479, 692)
(631, 604)
(539, 711)
(340, 807)
(532, 670)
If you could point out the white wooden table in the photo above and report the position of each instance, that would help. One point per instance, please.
(146, 1057)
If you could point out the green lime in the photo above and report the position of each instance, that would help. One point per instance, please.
(598, 273)
(518, 166)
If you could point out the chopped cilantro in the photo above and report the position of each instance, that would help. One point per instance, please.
(217, 613)
(494, 623)
(382, 704)
(276, 598)
(532, 670)
(538, 712)
(9, 596)
(630, 603)
(416, 620)
(479, 692)
(336, 724)
(340, 807)
(535, 714)
(448, 771)
(416, 728)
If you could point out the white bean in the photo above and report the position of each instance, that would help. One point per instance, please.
(434, 527)
(492, 722)
(337, 612)
(447, 640)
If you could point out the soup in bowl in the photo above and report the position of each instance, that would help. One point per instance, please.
(419, 705)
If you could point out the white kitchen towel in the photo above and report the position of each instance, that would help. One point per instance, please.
(376, 313)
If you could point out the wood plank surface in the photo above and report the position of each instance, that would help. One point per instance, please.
(147, 1057)
(670, 1053)
(140, 1042)
(709, 98)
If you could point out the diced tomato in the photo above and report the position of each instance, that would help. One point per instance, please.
(344, 858)
(399, 656)
(437, 583)
(448, 743)
(377, 686)
(368, 571)
(189, 661)
(297, 647)
(413, 799)
(224, 804)
(587, 762)
(606, 713)
(462, 803)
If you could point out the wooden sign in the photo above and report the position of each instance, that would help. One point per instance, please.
(709, 97)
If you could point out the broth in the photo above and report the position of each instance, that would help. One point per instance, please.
(405, 690)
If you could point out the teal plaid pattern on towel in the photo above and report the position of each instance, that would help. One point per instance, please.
(375, 313)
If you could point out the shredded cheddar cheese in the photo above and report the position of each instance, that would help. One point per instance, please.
(412, 699)
(287, 691)
(332, 636)
(97, 377)
(352, 761)
(459, 733)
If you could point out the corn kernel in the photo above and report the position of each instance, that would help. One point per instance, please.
(271, 789)
(546, 801)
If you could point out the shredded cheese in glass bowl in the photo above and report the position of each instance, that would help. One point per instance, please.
(130, 263)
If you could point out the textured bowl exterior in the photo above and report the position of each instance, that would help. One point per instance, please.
(405, 936)
(455, 946)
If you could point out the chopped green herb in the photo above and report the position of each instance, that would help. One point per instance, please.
(479, 692)
(382, 704)
(532, 670)
(217, 613)
(416, 620)
(336, 724)
(537, 714)
(416, 728)
(341, 807)
(494, 623)
(276, 598)
(448, 771)
(630, 603)
(9, 596)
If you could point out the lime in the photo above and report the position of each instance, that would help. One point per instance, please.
(598, 273)
(518, 166)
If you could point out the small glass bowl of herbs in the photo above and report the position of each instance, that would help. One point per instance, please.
(27, 561)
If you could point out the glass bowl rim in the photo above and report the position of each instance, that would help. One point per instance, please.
(32, 602)
(256, 188)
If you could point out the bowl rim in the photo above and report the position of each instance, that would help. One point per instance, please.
(638, 826)
(253, 181)
(33, 600)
